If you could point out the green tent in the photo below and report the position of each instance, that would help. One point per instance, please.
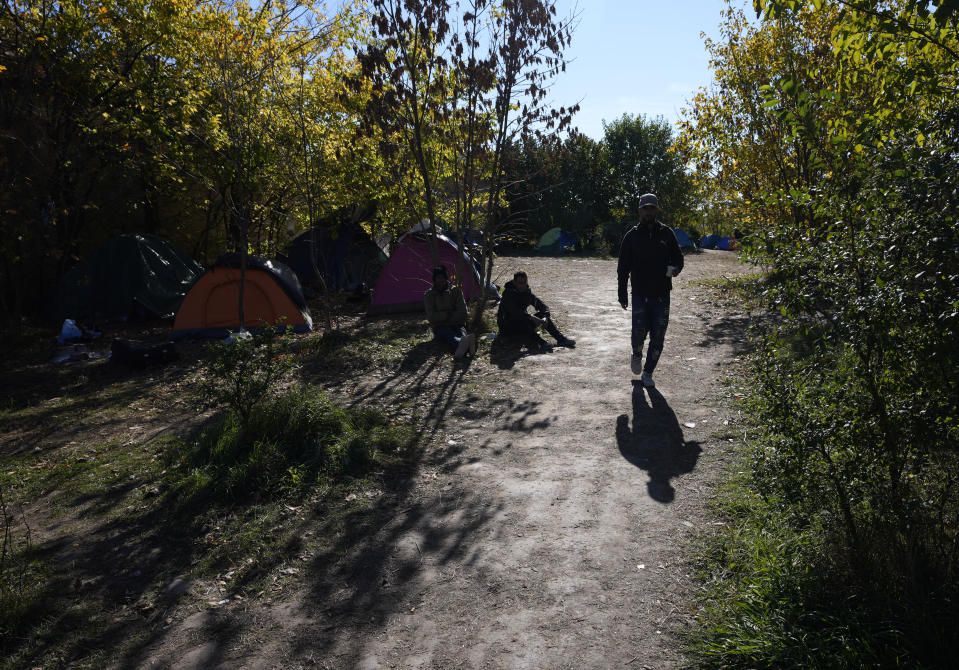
(549, 241)
(129, 275)
(556, 241)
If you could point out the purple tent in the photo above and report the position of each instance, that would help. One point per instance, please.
(409, 273)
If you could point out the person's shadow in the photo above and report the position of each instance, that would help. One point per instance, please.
(655, 443)
(505, 351)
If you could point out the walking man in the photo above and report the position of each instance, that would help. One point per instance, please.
(649, 258)
(446, 312)
(513, 319)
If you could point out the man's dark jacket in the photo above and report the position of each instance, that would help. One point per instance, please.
(513, 306)
(643, 258)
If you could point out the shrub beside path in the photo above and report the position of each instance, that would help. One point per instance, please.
(544, 528)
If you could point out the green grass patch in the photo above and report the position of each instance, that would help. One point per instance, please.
(292, 444)
(745, 288)
(772, 597)
(118, 518)
(139, 516)
(370, 345)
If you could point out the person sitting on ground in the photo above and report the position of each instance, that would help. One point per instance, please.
(514, 321)
(446, 312)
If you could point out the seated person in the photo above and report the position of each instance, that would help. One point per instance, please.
(446, 312)
(513, 319)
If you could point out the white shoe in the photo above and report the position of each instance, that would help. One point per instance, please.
(636, 364)
(648, 380)
(462, 347)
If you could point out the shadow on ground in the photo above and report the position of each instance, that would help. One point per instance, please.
(123, 584)
(655, 443)
(729, 331)
(506, 351)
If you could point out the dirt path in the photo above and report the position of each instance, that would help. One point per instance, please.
(545, 531)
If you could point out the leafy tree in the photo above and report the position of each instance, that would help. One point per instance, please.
(451, 85)
(740, 140)
(856, 397)
(76, 92)
(553, 182)
(642, 158)
(587, 182)
(218, 124)
(406, 66)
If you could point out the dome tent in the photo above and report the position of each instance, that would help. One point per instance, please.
(728, 244)
(343, 258)
(709, 241)
(127, 275)
(272, 297)
(684, 240)
(408, 273)
(556, 241)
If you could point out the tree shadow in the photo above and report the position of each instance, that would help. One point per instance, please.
(369, 567)
(731, 331)
(374, 570)
(655, 443)
(104, 586)
(136, 546)
(56, 403)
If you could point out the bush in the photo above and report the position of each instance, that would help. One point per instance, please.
(842, 550)
(856, 400)
(599, 242)
(241, 372)
(287, 446)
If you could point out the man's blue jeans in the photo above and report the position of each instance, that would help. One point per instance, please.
(449, 335)
(650, 317)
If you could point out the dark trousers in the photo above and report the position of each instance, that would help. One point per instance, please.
(525, 330)
(650, 317)
(449, 335)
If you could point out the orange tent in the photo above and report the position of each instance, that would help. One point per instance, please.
(272, 297)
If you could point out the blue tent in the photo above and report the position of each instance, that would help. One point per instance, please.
(683, 239)
(728, 244)
(709, 241)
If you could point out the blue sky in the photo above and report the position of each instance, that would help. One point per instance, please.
(635, 56)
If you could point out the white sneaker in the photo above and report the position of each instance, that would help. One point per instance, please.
(462, 347)
(636, 364)
(648, 380)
